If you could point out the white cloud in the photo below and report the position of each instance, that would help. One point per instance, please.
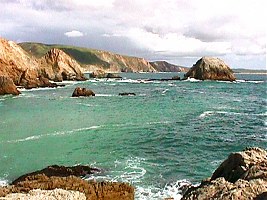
(74, 33)
(147, 28)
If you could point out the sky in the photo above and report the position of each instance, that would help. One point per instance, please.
(177, 31)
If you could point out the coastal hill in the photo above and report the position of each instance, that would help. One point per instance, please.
(92, 60)
(163, 66)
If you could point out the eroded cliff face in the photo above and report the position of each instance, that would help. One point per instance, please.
(56, 65)
(208, 68)
(27, 71)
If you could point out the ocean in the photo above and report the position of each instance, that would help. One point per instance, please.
(169, 134)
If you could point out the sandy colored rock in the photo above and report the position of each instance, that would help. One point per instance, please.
(7, 86)
(209, 68)
(68, 178)
(58, 66)
(37, 194)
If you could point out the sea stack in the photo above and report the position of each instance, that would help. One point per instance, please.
(209, 68)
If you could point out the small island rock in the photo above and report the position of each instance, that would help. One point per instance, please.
(82, 92)
(208, 68)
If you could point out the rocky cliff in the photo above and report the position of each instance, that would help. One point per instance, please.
(56, 65)
(27, 71)
(243, 175)
(208, 68)
(163, 66)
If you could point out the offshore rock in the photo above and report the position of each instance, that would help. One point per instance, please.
(127, 94)
(243, 175)
(102, 74)
(208, 68)
(82, 92)
(7, 86)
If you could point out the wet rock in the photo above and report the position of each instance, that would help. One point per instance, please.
(127, 94)
(243, 175)
(7, 86)
(208, 68)
(60, 171)
(82, 92)
(110, 75)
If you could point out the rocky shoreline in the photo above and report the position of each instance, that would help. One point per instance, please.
(243, 175)
(69, 179)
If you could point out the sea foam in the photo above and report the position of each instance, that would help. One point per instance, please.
(57, 133)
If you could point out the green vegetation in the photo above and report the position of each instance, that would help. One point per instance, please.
(83, 55)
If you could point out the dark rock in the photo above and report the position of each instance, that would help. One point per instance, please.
(176, 78)
(59, 171)
(242, 176)
(7, 86)
(127, 94)
(82, 92)
(208, 68)
(110, 75)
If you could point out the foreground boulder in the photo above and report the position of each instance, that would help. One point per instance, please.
(7, 86)
(55, 194)
(242, 176)
(82, 92)
(47, 179)
(208, 68)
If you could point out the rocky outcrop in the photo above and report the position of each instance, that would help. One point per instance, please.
(60, 171)
(163, 66)
(30, 72)
(7, 86)
(127, 94)
(208, 68)
(56, 194)
(47, 179)
(242, 176)
(82, 92)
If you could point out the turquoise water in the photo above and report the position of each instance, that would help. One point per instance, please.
(169, 134)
